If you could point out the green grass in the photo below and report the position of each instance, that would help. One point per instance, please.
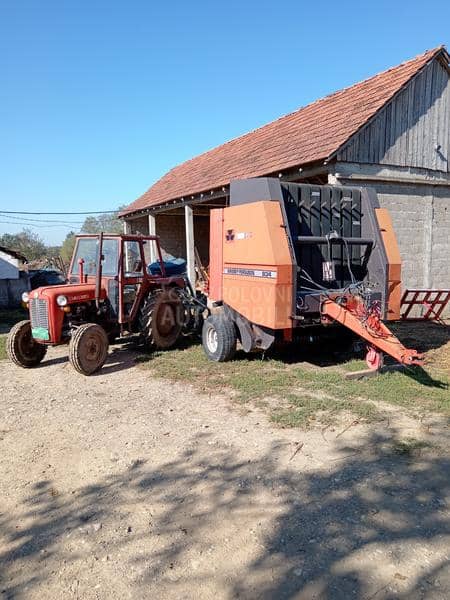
(298, 393)
(8, 318)
(11, 316)
(409, 446)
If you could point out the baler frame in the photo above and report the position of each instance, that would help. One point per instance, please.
(357, 284)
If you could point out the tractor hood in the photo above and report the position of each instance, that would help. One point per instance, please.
(74, 292)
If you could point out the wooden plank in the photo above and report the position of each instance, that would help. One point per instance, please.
(365, 373)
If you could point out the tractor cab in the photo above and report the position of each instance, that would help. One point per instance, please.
(110, 292)
(116, 265)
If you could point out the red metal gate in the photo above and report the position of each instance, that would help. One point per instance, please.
(433, 303)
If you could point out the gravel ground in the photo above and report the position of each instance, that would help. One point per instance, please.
(121, 486)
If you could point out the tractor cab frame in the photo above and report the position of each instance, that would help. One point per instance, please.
(118, 267)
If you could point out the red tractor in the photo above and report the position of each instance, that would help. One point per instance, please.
(110, 292)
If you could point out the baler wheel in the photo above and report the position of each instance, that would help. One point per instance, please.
(219, 338)
(161, 319)
(374, 359)
(21, 347)
(88, 348)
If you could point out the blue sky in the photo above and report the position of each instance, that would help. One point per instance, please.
(98, 99)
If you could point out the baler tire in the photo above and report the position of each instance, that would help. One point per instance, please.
(219, 338)
(22, 350)
(88, 348)
(153, 322)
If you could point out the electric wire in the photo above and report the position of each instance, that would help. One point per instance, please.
(37, 226)
(26, 220)
(92, 212)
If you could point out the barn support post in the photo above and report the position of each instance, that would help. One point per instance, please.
(190, 243)
(152, 231)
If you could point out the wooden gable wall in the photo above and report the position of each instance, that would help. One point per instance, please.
(412, 130)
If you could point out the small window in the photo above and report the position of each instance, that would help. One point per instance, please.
(132, 261)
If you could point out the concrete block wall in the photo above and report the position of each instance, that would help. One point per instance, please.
(440, 247)
(421, 217)
(410, 209)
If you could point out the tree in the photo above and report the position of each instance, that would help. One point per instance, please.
(53, 252)
(67, 247)
(107, 222)
(26, 242)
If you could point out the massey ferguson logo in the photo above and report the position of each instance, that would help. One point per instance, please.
(231, 236)
(79, 297)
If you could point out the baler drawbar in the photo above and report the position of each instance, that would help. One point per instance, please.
(367, 324)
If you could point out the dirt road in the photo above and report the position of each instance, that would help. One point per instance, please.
(119, 486)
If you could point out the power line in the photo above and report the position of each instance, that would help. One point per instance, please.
(38, 226)
(92, 212)
(24, 219)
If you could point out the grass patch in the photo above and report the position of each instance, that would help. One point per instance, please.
(296, 392)
(11, 316)
(8, 318)
(409, 446)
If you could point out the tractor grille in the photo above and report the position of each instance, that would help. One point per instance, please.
(38, 313)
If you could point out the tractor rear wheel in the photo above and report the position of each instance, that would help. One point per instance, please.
(88, 348)
(219, 338)
(22, 349)
(161, 319)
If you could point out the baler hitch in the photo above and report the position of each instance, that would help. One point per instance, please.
(352, 312)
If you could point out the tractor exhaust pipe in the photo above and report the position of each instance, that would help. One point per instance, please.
(98, 278)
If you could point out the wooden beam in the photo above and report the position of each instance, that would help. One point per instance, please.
(152, 231)
(190, 243)
(387, 173)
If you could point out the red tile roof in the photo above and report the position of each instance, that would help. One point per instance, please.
(309, 134)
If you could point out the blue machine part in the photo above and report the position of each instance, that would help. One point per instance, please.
(173, 266)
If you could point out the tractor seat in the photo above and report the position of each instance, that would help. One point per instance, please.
(173, 266)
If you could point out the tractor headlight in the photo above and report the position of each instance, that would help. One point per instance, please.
(61, 300)
(25, 297)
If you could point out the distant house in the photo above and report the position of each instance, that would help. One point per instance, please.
(390, 132)
(13, 279)
(10, 262)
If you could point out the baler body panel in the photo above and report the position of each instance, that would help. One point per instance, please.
(393, 264)
(216, 242)
(325, 225)
(257, 264)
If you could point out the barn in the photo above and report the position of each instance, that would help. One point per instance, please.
(390, 132)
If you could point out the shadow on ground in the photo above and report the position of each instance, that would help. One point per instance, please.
(326, 533)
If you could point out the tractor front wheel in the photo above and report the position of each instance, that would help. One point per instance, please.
(161, 319)
(88, 348)
(21, 347)
(219, 338)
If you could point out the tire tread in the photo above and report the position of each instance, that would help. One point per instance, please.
(74, 357)
(12, 350)
(226, 337)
